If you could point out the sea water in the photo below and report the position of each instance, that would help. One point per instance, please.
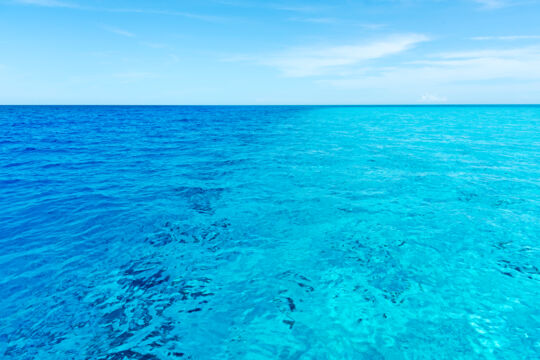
(270, 232)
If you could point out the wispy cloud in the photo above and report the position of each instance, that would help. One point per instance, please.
(62, 4)
(117, 31)
(452, 72)
(48, 3)
(499, 4)
(493, 4)
(373, 26)
(210, 18)
(317, 20)
(155, 45)
(312, 61)
(298, 8)
(509, 38)
(337, 21)
(280, 6)
(512, 53)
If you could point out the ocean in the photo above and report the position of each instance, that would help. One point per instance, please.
(271, 232)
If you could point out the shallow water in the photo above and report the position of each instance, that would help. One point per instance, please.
(270, 232)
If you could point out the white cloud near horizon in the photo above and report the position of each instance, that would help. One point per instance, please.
(490, 70)
(313, 61)
(432, 99)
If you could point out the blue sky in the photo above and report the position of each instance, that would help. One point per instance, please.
(269, 52)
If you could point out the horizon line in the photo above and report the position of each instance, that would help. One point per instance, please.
(327, 105)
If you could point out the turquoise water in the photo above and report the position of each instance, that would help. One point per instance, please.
(270, 232)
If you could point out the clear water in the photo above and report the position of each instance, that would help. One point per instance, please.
(270, 232)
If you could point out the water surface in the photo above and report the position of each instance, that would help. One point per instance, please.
(269, 232)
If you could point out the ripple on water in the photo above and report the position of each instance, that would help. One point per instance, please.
(269, 232)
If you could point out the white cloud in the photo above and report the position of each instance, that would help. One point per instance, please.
(510, 37)
(209, 18)
(117, 31)
(62, 4)
(482, 74)
(492, 4)
(499, 4)
(47, 3)
(302, 62)
(514, 53)
(432, 99)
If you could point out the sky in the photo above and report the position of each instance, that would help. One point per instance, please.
(218, 52)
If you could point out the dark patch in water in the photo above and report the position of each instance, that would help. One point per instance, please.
(130, 355)
(290, 301)
(289, 322)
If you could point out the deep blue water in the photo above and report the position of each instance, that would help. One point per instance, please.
(270, 232)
